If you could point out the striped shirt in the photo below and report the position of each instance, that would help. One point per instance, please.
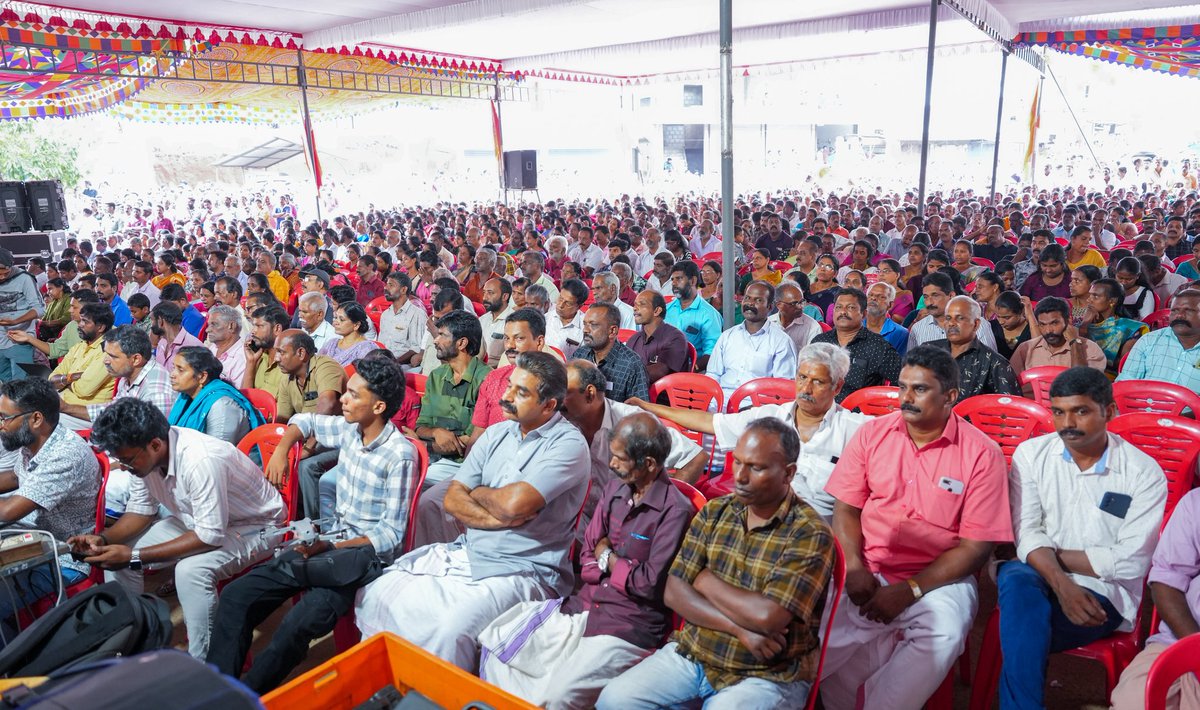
(1159, 355)
(376, 483)
(788, 560)
(209, 486)
(928, 329)
(152, 384)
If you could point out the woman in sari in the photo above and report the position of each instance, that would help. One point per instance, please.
(58, 309)
(207, 403)
(824, 289)
(889, 273)
(988, 287)
(168, 273)
(350, 323)
(1103, 326)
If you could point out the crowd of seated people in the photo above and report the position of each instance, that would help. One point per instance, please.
(505, 406)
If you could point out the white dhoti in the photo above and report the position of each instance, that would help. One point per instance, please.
(535, 652)
(429, 598)
(898, 665)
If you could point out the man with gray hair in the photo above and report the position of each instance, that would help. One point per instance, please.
(226, 342)
(607, 289)
(311, 310)
(538, 298)
(880, 298)
(981, 370)
(533, 264)
(790, 315)
(824, 426)
(625, 276)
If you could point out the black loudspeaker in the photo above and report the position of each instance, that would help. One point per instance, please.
(520, 170)
(47, 205)
(14, 208)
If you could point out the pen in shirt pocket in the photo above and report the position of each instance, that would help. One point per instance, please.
(636, 536)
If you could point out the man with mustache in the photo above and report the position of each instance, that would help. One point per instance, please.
(52, 485)
(873, 361)
(922, 499)
(518, 493)
(1170, 354)
(938, 289)
(1086, 508)
(981, 370)
(262, 369)
(497, 306)
(81, 377)
(700, 322)
(623, 369)
(755, 347)
(128, 358)
(749, 581)
(1059, 344)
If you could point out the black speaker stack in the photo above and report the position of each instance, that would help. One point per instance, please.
(520, 170)
(37, 205)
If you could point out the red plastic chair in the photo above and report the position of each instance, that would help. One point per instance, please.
(874, 401)
(1174, 442)
(713, 256)
(686, 390)
(345, 632)
(764, 390)
(263, 401)
(1181, 657)
(1007, 420)
(692, 357)
(696, 497)
(839, 585)
(1158, 319)
(980, 261)
(624, 334)
(1038, 380)
(415, 382)
(1182, 259)
(267, 438)
(1154, 397)
(825, 327)
(376, 308)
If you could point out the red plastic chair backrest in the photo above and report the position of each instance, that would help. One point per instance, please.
(694, 436)
(714, 256)
(687, 390)
(416, 383)
(1181, 657)
(624, 334)
(1158, 319)
(764, 390)
(691, 358)
(1182, 259)
(696, 497)
(980, 261)
(422, 469)
(266, 438)
(1007, 420)
(263, 401)
(1038, 379)
(838, 582)
(1154, 397)
(1173, 442)
(375, 309)
(874, 401)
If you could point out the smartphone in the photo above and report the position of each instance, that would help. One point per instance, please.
(1115, 504)
(254, 345)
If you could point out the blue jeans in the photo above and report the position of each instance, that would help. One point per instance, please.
(668, 680)
(10, 356)
(327, 491)
(26, 588)
(1032, 626)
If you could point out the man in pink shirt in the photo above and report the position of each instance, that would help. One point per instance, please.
(922, 498)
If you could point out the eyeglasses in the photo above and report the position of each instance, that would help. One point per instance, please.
(126, 462)
(6, 418)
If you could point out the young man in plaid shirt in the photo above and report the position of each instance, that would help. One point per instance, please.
(750, 580)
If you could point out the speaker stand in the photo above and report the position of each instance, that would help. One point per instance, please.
(521, 194)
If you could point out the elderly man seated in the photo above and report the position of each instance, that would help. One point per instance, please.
(981, 370)
(921, 502)
(576, 646)
(1170, 354)
(1086, 508)
(824, 426)
(519, 493)
(750, 580)
(753, 348)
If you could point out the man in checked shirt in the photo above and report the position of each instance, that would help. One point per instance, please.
(375, 490)
(750, 580)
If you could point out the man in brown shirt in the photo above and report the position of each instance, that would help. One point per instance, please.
(1059, 344)
(661, 346)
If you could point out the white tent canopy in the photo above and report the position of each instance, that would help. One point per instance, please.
(634, 37)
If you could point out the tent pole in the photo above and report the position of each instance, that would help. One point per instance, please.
(308, 134)
(999, 117)
(933, 13)
(726, 40)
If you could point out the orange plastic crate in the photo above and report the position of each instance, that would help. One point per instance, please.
(349, 679)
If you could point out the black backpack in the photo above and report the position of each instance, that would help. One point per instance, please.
(100, 622)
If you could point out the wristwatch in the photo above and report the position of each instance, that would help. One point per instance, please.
(602, 561)
(135, 560)
(916, 589)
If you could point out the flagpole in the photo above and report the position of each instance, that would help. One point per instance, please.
(498, 140)
(308, 133)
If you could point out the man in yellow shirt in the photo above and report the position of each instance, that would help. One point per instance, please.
(265, 263)
(262, 369)
(81, 377)
(1080, 253)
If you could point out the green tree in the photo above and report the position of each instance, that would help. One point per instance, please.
(30, 154)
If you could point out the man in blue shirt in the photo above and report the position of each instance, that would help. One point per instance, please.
(193, 320)
(879, 316)
(1170, 354)
(699, 321)
(106, 289)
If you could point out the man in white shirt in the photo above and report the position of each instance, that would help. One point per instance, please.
(607, 287)
(497, 306)
(586, 253)
(705, 240)
(754, 348)
(564, 328)
(660, 275)
(218, 504)
(225, 340)
(938, 291)
(143, 271)
(402, 326)
(1087, 507)
(790, 315)
(533, 264)
(312, 318)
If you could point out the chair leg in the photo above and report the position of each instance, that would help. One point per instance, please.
(964, 664)
(943, 697)
(987, 668)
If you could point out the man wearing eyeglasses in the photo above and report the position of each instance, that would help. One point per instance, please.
(218, 502)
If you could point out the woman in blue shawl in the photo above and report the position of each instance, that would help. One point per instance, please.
(206, 402)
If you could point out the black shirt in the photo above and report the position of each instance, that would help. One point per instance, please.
(778, 248)
(1003, 347)
(996, 254)
(873, 360)
(981, 370)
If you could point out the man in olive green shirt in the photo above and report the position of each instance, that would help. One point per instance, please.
(450, 394)
(262, 367)
(58, 348)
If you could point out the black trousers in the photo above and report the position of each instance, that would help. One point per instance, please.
(251, 598)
